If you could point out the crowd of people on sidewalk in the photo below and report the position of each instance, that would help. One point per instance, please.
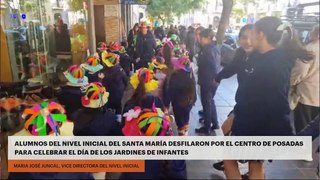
(147, 86)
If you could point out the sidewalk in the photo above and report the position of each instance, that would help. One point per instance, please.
(276, 170)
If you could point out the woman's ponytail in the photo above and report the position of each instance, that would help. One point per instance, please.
(282, 35)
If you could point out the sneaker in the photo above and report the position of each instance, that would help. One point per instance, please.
(200, 112)
(201, 120)
(218, 166)
(203, 130)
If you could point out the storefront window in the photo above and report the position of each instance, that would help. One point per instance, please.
(43, 36)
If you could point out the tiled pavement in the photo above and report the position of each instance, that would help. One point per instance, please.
(276, 170)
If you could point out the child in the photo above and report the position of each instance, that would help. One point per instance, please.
(94, 119)
(167, 55)
(147, 122)
(181, 92)
(126, 61)
(143, 85)
(158, 67)
(115, 79)
(70, 94)
(93, 68)
(209, 66)
(56, 125)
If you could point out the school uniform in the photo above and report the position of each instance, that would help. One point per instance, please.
(174, 94)
(93, 77)
(126, 63)
(115, 81)
(153, 168)
(262, 108)
(95, 122)
(209, 66)
(70, 98)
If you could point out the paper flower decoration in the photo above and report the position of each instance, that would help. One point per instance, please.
(132, 114)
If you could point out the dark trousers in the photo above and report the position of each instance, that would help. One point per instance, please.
(182, 116)
(303, 115)
(209, 106)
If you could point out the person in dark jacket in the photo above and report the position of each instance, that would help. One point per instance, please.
(94, 119)
(263, 107)
(159, 33)
(181, 92)
(145, 48)
(182, 33)
(93, 68)
(114, 79)
(209, 67)
(190, 42)
(132, 39)
(70, 94)
(239, 65)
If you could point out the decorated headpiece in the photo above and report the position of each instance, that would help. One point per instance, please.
(109, 59)
(150, 83)
(147, 122)
(158, 42)
(95, 96)
(10, 114)
(102, 46)
(157, 63)
(114, 46)
(9, 103)
(182, 62)
(92, 64)
(44, 119)
(154, 123)
(174, 37)
(168, 42)
(76, 76)
(122, 50)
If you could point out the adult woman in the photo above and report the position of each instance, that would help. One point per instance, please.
(263, 108)
(132, 39)
(305, 80)
(146, 44)
(190, 42)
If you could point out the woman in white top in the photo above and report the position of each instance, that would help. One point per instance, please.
(305, 82)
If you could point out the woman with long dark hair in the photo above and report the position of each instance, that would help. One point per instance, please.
(263, 108)
(132, 40)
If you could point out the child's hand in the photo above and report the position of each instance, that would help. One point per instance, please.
(166, 110)
(101, 76)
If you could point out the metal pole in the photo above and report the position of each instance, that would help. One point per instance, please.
(91, 27)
